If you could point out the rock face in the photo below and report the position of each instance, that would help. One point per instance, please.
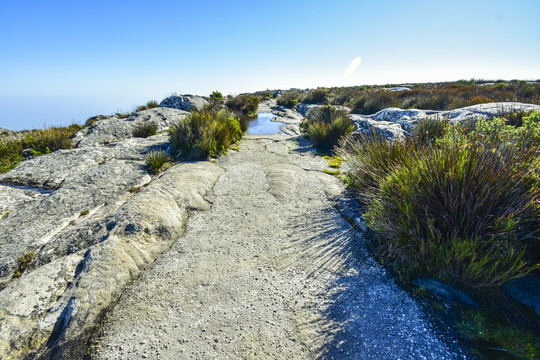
(90, 219)
(184, 102)
(397, 123)
(525, 290)
(114, 129)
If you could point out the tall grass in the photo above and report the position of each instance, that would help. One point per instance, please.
(155, 160)
(145, 129)
(463, 209)
(202, 134)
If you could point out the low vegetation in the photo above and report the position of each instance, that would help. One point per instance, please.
(156, 161)
(289, 99)
(244, 104)
(145, 129)
(149, 105)
(24, 262)
(38, 142)
(459, 203)
(203, 134)
(324, 126)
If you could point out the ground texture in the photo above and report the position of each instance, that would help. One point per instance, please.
(272, 270)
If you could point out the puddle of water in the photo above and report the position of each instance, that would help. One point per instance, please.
(263, 125)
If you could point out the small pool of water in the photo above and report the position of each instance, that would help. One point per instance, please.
(263, 125)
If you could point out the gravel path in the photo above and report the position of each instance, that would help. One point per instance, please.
(272, 271)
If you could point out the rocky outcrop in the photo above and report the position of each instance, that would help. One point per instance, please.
(184, 102)
(397, 123)
(114, 129)
(78, 225)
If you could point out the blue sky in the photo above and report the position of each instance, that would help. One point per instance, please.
(68, 60)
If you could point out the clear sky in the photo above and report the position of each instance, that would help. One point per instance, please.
(68, 60)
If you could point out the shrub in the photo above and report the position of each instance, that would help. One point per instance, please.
(325, 125)
(149, 105)
(464, 213)
(244, 104)
(371, 157)
(145, 129)
(428, 130)
(289, 100)
(317, 96)
(216, 95)
(155, 160)
(201, 134)
(40, 142)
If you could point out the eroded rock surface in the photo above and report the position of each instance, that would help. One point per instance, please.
(90, 219)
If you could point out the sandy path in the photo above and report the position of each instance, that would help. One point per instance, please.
(271, 271)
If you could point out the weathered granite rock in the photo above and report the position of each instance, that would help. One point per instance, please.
(115, 129)
(91, 237)
(445, 291)
(184, 102)
(398, 88)
(526, 290)
(396, 123)
(304, 109)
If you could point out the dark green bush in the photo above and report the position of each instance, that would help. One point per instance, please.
(464, 212)
(243, 104)
(145, 129)
(317, 96)
(325, 125)
(201, 134)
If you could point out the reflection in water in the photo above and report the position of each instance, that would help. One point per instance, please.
(263, 125)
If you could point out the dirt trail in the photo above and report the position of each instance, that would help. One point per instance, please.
(271, 271)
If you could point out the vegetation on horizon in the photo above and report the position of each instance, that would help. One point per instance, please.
(459, 203)
(39, 142)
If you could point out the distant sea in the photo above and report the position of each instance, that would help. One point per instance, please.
(40, 111)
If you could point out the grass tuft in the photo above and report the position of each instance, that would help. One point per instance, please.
(145, 129)
(202, 134)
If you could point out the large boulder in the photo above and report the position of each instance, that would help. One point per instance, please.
(397, 123)
(184, 102)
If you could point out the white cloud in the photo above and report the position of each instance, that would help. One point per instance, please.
(353, 66)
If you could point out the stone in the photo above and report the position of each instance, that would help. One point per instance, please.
(525, 290)
(445, 291)
(184, 102)
(114, 129)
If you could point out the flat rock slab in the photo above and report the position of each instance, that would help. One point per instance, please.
(271, 271)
